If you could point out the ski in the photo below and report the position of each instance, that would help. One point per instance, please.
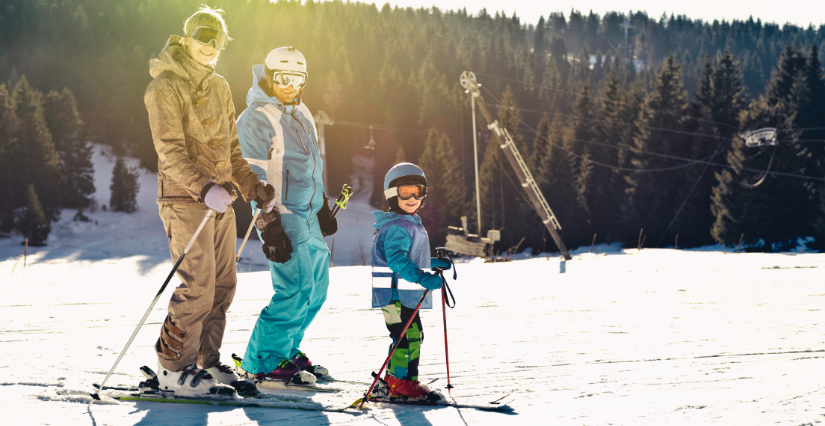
(497, 405)
(266, 402)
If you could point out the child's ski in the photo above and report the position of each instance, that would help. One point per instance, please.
(497, 405)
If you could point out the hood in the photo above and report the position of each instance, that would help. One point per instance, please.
(174, 58)
(257, 94)
(381, 218)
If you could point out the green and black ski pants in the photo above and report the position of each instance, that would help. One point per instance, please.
(404, 362)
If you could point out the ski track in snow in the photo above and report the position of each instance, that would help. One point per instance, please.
(649, 338)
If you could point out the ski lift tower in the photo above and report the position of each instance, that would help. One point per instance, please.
(468, 81)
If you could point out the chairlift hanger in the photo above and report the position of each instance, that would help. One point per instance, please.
(760, 138)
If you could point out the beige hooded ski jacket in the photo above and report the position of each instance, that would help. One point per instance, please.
(193, 127)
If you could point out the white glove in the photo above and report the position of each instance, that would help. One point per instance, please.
(217, 198)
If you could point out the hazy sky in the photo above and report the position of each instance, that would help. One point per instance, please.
(798, 12)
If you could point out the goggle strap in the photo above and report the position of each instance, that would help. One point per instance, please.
(392, 192)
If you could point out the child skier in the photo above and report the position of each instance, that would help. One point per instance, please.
(400, 259)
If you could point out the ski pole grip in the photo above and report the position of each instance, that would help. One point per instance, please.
(341, 201)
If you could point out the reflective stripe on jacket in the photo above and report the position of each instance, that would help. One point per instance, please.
(400, 258)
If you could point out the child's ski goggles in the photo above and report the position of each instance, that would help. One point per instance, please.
(205, 36)
(405, 192)
(284, 79)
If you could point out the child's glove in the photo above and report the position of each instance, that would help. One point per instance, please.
(436, 264)
(431, 281)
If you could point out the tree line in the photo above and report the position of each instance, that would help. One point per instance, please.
(46, 162)
(626, 130)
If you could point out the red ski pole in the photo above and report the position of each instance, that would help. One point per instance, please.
(446, 345)
(398, 342)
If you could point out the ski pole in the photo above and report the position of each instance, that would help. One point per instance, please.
(442, 254)
(341, 201)
(96, 396)
(246, 237)
(394, 347)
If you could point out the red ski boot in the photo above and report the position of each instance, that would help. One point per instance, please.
(409, 388)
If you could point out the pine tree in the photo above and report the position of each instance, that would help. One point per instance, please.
(34, 224)
(652, 196)
(9, 139)
(71, 144)
(444, 192)
(772, 215)
(720, 99)
(35, 160)
(124, 187)
(579, 142)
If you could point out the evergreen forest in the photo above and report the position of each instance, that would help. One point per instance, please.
(630, 124)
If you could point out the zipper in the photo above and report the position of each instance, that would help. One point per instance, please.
(301, 139)
(287, 185)
(314, 158)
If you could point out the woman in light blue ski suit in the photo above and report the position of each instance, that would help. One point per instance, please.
(400, 264)
(279, 140)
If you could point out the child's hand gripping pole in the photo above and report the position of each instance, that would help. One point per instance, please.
(394, 347)
(341, 201)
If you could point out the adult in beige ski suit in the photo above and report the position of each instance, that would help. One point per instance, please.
(193, 128)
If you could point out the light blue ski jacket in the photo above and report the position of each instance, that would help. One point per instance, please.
(400, 259)
(280, 143)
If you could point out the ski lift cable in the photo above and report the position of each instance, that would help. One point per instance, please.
(695, 184)
(629, 148)
(623, 103)
(617, 102)
(690, 161)
(705, 160)
(598, 120)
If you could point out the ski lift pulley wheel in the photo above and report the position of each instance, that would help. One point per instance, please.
(468, 79)
(761, 137)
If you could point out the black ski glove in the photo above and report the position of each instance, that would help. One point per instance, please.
(329, 224)
(263, 194)
(277, 246)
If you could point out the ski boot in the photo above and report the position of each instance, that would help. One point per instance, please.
(193, 382)
(411, 389)
(226, 375)
(301, 360)
(289, 373)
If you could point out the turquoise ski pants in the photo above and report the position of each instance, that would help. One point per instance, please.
(300, 287)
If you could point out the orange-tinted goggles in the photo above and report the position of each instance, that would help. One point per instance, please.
(405, 192)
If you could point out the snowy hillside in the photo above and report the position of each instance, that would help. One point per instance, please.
(654, 337)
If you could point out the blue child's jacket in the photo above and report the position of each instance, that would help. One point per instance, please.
(400, 257)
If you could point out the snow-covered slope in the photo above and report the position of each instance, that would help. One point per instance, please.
(655, 337)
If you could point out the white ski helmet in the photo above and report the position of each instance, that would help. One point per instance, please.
(286, 60)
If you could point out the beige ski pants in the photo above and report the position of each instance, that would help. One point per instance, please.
(193, 329)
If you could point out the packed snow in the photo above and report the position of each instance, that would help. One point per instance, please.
(650, 337)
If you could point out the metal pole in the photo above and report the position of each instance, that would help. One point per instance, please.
(96, 396)
(475, 158)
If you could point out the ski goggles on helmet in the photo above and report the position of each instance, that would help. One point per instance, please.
(284, 79)
(405, 192)
(205, 36)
